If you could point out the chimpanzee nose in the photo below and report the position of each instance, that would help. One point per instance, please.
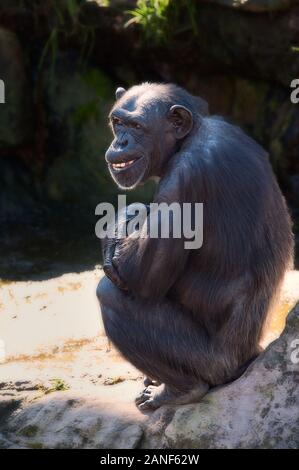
(116, 154)
(123, 143)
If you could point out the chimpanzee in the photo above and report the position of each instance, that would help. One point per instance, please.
(191, 319)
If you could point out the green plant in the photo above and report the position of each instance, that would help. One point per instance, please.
(64, 21)
(113, 380)
(151, 15)
(161, 19)
(58, 385)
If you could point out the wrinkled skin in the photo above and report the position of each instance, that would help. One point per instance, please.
(141, 140)
(191, 319)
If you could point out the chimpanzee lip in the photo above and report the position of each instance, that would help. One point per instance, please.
(118, 167)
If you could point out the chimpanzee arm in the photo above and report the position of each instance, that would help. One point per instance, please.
(109, 245)
(150, 266)
(108, 267)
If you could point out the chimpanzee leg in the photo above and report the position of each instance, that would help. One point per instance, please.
(159, 340)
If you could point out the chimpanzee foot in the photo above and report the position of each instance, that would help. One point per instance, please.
(152, 397)
(149, 381)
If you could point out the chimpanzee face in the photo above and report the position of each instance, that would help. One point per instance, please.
(145, 135)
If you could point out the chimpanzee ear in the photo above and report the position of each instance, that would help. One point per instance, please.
(181, 119)
(119, 92)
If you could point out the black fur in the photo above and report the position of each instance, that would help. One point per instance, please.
(191, 319)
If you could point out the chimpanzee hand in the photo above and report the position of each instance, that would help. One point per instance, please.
(110, 248)
(112, 274)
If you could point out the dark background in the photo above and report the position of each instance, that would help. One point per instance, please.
(61, 61)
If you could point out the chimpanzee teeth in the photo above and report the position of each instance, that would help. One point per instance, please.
(122, 164)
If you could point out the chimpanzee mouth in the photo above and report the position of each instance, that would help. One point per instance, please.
(121, 166)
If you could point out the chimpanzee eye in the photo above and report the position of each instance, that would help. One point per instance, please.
(136, 125)
(116, 121)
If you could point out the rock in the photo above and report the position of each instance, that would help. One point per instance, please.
(259, 410)
(16, 112)
(256, 6)
(17, 197)
(263, 110)
(68, 420)
(228, 39)
(294, 183)
(284, 137)
(5, 444)
(8, 404)
(78, 100)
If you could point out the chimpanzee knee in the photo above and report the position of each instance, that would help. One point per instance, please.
(107, 293)
(113, 302)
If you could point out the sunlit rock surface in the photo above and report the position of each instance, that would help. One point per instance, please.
(40, 317)
(259, 410)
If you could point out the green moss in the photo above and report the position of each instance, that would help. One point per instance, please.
(86, 112)
(64, 19)
(113, 380)
(58, 385)
(29, 431)
(267, 444)
(265, 411)
(97, 80)
(79, 102)
(249, 105)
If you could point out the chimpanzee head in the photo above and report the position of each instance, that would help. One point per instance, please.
(149, 123)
